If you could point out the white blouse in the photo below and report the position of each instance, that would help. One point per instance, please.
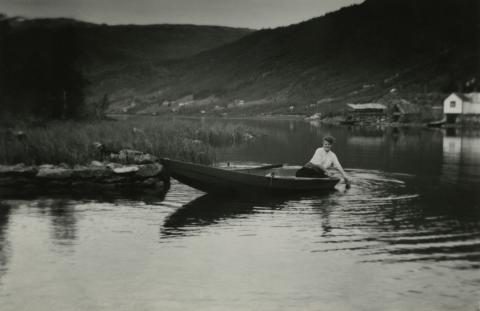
(325, 159)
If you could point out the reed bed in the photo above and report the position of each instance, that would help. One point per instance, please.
(74, 142)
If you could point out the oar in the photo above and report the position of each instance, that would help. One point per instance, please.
(265, 167)
(347, 185)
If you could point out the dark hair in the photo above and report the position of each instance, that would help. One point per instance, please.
(329, 139)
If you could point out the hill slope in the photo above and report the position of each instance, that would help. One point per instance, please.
(110, 58)
(116, 56)
(359, 53)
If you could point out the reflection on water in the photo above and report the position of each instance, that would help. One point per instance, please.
(452, 149)
(399, 226)
(410, 222)
(4, 243)
(211, 209)
(43, 196)
(461, 158)
(64, 220)
(381, 217)
(365, 141)
(204, 211)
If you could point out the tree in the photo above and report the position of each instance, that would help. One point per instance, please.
(38, 70)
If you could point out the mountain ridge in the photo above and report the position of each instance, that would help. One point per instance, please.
(421, 50)
(414, 47)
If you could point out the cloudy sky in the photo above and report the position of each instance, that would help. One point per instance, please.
(238, 13)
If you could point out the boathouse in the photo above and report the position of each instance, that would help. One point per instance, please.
(366, 113)
(461, 107)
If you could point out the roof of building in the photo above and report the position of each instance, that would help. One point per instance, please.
(469, 97)
(369, 106)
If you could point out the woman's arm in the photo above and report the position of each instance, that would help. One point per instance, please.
(317, 158)
(339, 167)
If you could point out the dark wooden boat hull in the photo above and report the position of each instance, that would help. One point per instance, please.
(279, 179)
(437, 123)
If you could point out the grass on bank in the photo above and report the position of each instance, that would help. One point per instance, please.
(72, 142)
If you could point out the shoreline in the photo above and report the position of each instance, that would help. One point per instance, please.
(326, 121)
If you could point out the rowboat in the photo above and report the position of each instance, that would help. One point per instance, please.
(276, 178)
(438, 123)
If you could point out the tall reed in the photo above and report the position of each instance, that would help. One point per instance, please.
(72, 142)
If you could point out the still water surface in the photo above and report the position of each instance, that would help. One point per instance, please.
(406, 235)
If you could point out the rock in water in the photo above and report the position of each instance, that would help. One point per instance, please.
(90, 172)
(126, 169)
(18, 170)
(149, 170)
(96, 163)
(52, 172)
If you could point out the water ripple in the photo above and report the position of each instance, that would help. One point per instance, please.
(381, 217)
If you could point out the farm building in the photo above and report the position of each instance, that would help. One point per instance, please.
(459, 107)
(404, 111)
(368, 113)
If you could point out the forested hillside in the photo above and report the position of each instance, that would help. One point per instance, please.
(62, 68)
(420, 48)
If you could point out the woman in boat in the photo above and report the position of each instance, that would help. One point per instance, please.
(322, 160)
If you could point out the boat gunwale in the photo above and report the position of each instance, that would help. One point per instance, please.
(242, 171)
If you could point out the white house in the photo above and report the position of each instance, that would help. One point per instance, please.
(457, 104)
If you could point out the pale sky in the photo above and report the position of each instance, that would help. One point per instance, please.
(237, 13)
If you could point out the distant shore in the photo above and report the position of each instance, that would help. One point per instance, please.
(337, 120)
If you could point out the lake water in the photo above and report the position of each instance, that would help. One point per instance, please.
(406, 235)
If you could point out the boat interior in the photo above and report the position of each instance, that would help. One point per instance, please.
(273, 171)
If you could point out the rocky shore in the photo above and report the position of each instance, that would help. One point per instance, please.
(126, 169)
